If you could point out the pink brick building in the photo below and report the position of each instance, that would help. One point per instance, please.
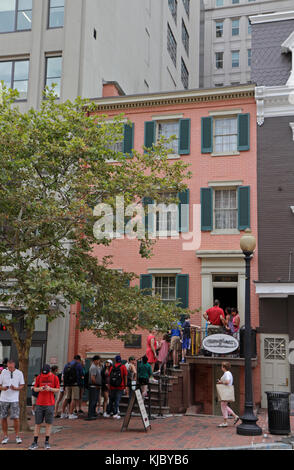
(216, 132)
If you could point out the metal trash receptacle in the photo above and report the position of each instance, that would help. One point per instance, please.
(278, 407)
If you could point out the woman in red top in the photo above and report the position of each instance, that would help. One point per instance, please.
(151, 350)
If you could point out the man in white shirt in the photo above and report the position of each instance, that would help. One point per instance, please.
(11, 382)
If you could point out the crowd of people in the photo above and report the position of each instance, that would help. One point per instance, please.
(59, 394)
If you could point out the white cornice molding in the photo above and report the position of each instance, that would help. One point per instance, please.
(288, 46)
(274, 102)
(270, 17)
(291, 124)
(173, 98)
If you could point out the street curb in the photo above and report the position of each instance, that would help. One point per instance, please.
(269, 446)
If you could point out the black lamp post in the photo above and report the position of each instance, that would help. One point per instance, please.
(248, 427)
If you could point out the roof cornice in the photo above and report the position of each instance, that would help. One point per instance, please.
(270, 17)
(174, 98)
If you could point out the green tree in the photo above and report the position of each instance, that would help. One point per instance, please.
(56, 165)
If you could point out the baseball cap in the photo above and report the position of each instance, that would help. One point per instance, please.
(110, 361)
(46, 369)
(117, 358)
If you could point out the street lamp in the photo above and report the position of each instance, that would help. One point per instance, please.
(248, 427)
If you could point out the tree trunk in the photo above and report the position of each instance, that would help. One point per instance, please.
(23, 357)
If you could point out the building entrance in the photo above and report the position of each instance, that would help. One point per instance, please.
(226, 295)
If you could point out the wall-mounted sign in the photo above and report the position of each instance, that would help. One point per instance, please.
(220, 343)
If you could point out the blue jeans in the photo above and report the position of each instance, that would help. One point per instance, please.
(114, 400)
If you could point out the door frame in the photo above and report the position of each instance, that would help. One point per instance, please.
(262, 363)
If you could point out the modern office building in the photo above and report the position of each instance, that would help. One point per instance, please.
(146, 46)
(226, 42)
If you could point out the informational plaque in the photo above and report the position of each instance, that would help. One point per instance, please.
(136, 397)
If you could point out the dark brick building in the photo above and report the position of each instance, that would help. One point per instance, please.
(272, 71)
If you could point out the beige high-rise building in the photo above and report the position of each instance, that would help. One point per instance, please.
(144, 45)
(226, 39)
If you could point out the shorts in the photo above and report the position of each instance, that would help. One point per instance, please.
(5, 406)
(186, 343)
(72, 393)
(175, 344)
(44, 412)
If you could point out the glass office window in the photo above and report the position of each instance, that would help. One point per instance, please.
(15, 15)
(53, 73)
(56, 13)
(15, 75)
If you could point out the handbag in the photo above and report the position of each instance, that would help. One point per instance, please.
(225, 392)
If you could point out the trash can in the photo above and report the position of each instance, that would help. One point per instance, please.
(278, 408)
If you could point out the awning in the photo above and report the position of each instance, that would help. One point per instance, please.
(274, 289)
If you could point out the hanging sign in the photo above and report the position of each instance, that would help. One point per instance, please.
(220, 343)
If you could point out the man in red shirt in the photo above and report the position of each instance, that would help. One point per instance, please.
(118, 377)
(215, 315)
(46, 385)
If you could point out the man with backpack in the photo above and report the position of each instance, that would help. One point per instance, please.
(73, 381)
(118, 383)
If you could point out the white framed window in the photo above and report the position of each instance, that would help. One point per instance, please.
(184, 74)
(219, 28)
(219, 60)
(165, 286)
(166, 216)
(219, 3)
(235, 59)
(225, 208)
(235, 27)
(225, 135)
(168, 129)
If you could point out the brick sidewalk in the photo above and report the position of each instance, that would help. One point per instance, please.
(171, 433)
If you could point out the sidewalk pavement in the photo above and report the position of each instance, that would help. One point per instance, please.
(177, 432)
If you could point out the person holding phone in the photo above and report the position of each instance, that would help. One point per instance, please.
(47, 384)
(11, 382)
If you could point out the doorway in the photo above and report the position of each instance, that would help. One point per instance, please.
(226, 295)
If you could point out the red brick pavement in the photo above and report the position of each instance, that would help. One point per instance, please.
(172, 433)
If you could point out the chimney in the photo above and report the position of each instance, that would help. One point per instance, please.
(111, 89)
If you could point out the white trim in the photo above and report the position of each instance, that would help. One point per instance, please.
(288, 46)
(225, 231)
(167, 117)
(228, 112)
(164, 271)
(274, 102)
(274, 289)
(270, 17)
(225, 154)
(220, 254)
(220, 184)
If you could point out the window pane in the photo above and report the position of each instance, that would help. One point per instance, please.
(49, 83)
(56, 3)
(22, 88)
(24, 20)
(6, 73)
(56, 18)
(54, 67)
(7, 15)
(25, 5)
(21, 70)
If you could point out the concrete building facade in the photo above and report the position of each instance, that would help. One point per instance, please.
(226, 48)
(146, 46)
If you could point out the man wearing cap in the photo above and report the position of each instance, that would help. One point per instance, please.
(47, 384)
(118, 383)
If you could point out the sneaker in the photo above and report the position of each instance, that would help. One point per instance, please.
(33, 446)
(72, 417)
(33, 413)
(105, 415)
(18, 440)
(116, 416)
(223, 425)
(5, 440)
(64, 416)
(47, 445)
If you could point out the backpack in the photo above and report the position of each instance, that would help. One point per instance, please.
(115, 376)
(70, 375)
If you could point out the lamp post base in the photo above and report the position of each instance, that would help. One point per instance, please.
(248, 427)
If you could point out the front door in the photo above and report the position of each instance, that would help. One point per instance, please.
(275, 367)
